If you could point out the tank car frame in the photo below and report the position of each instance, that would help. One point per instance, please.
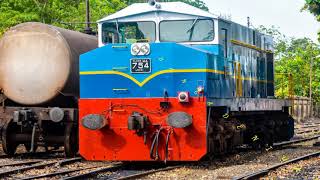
(38, 126)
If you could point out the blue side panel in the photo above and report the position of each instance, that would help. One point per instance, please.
(220, 85)
(105, 72)
(214, 49)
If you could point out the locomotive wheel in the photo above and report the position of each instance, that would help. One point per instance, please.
(9, 145)
(71, 141)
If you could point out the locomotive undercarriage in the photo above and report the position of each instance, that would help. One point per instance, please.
(259, 130)
(37, 126)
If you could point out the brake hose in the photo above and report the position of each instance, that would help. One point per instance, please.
(155, 143)
(167, 146)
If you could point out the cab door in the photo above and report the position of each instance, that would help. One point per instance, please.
(227, 63)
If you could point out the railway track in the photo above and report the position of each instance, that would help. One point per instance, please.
(18, 169)
(307, 128)
(258, 174)
(121, 171)
(142, 174)
(37, 155)
(296, 141)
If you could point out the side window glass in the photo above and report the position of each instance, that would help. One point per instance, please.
(224, 37)
(110, 37)
(254, 38)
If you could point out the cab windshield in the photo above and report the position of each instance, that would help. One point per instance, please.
(195, 30)
(128, 32)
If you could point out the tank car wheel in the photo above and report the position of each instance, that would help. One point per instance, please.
(9, 145)
(71, 146)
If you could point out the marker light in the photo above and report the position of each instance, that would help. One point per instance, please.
(183, 97)
(200, 90)
(144, 49)
(140, 49)
(135, 50)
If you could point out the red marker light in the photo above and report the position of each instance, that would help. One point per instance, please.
(183, 97)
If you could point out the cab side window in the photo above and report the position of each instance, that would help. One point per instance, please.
(224, 38)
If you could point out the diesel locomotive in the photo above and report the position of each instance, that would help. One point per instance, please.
(171, 82)
(39, 83)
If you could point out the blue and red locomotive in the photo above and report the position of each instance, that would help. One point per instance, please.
(171, 82)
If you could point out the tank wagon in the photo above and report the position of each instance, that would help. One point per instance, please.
(171, 82)
(39, 82)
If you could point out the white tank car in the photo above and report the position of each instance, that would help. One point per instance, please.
(40, 61)
(39, 74)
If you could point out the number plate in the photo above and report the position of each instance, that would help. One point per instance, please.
(140, 65)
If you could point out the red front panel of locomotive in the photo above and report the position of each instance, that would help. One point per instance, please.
(149, 138)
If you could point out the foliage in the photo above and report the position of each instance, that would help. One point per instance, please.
(67, 13)
(293, 56)
(314, 7)
(196, 3)
(54, 12)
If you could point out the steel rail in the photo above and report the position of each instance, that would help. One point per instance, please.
(142, 174)
(70, 160)
(20, 163)
(95, 172)
(29, 154)
(257, 174)
(307, 126)
(295, 141)
(37, 166)
(56, 173)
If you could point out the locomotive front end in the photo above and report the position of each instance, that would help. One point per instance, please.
(143, 92)
(145, 102)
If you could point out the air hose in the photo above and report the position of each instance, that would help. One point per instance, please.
(167, 146)
(155, 145)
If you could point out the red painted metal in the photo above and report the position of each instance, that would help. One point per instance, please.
(117, 143)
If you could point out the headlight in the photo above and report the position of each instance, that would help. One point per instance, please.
(94, 122)
(179, 119)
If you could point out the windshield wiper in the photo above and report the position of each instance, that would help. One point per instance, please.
(193, 24)
(118, 32)
(192, 28)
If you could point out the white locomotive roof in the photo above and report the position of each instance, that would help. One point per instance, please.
(174, 7)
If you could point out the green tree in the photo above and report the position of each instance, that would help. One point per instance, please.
(293, 56)
(196, 3)
(64, 13)
(314, 7)
(296, 59)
